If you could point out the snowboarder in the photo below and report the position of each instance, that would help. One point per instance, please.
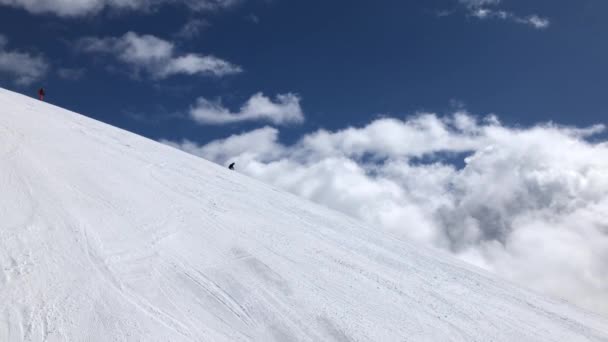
(231, 166)
(41, 94)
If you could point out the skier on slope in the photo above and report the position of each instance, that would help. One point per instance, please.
(41, 94)
(231, 166)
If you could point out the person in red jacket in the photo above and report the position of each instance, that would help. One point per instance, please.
(41, 94)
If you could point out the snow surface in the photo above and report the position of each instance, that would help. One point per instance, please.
(108, 236)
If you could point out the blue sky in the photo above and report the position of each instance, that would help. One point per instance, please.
(473, 126)
(348, 62)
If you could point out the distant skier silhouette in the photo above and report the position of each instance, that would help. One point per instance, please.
(41, 94)
(231, 166)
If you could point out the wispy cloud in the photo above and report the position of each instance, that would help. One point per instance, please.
(156, 57)
(23, 68)
(253, 18)
(75, 8)
(72, 74)
(536, 21)
(487, 9)
(532, 20)
(528, 203)
(284, 109)
(193, 28)
(478, 3)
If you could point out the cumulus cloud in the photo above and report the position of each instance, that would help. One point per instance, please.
(485, 9)
(284, 109)
(74, 8)
(526, 203)
(156, 56)
(22, 67)
(260, 144)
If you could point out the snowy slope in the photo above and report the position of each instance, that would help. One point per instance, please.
(108, 236)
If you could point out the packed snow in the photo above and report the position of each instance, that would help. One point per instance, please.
(109, 236)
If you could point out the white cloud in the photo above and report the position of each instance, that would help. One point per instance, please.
(482, 9)
(192, 64)
(156, 56)
(260, 144)
(536, 21)
(528, 204)
(71, 8)
(284, 109)
(533, 20)
(22, 67)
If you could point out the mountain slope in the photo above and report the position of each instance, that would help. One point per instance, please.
(105, 235)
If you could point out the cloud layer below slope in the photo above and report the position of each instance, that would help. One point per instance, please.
(526, 203)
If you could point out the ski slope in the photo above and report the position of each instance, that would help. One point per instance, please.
(108, 236)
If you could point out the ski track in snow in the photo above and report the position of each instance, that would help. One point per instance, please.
(108, 236)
